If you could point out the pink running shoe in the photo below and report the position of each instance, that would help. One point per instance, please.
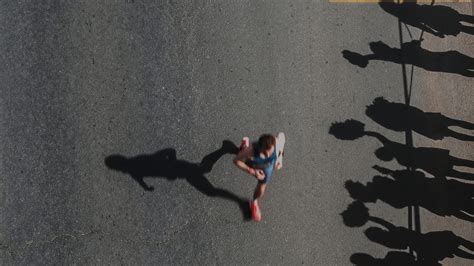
(255, 211)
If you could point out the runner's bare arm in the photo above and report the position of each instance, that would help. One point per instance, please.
(239, 160)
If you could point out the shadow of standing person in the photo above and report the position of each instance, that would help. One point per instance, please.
(391, 259)
(444, 197)
(438, 20)
(412, 53)
(164, 164)
(411, 188)
(430, 247)
(435, 161)
(401, 117)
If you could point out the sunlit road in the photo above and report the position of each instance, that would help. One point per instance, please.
(85, 80)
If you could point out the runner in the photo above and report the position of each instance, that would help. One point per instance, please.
(259, 160)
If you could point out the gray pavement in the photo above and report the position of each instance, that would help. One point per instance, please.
(83, 80)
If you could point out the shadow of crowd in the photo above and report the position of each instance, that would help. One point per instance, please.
(430, 178)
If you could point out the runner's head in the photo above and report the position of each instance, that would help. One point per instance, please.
(117, 162)
(266, 143)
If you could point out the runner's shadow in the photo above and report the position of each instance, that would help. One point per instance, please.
(412, 188)
(401, 117)
(437, 20)
(412, 53)
(164, 164)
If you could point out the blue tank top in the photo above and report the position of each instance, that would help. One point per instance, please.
(259, 162)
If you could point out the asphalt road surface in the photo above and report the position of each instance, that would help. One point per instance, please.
(161, 84)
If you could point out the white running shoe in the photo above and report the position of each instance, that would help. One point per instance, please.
(280, 146)
(245, 143)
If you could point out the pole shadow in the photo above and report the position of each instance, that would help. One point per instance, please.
(164, 164)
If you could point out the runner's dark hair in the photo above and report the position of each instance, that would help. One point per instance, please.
(266, 141)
